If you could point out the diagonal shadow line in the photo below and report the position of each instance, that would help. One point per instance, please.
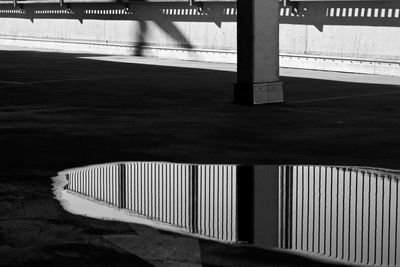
(175, 33)
(168, 27)
(109, 77)
(342, 97)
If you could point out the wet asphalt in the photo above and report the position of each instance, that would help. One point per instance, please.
(58, 111)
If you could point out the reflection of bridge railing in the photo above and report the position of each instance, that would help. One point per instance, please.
(344, 213)
(350, 214)
(200, 199)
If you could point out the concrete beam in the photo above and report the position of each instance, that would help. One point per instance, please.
(258, 53)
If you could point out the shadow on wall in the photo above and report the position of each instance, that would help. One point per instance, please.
(155, 24)
(162, 15)
(343, 13)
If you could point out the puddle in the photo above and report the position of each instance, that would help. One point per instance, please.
(344, 214)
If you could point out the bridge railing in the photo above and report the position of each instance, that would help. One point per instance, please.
(191, 2)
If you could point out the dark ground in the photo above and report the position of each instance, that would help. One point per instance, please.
(58, 111)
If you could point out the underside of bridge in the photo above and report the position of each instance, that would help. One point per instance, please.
(346, 36)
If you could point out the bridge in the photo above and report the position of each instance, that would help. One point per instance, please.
(350, 36)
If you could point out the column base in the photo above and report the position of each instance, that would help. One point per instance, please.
(258, 93)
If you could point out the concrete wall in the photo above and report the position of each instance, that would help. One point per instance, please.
(344, 36)
(157, 29)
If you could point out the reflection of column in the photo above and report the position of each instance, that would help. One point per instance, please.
(258, 205)
(245, 203)
(266, 206)
(258, 53)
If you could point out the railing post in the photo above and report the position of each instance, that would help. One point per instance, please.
(122, 185)
(193, 191)
(67, 186)
(285, 205)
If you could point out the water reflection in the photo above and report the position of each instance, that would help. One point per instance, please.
(344, 213)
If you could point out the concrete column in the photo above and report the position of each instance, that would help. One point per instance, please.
(258, 53)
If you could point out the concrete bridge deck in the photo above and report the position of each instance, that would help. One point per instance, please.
(62, 110)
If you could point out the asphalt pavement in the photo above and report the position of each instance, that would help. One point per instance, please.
(63, 110)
